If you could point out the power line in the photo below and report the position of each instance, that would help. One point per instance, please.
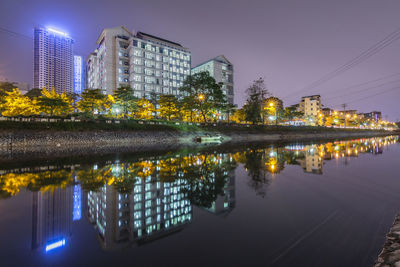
(394, 36)
(366, 97)
(362, 90)
(367, 82)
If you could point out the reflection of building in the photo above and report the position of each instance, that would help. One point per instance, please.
(312, 162)
(53, 60)
(226, 202)
(222, 70)
(153, 210)
(147, 63)
(51, 218)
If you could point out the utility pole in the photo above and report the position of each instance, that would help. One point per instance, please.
(345, 115)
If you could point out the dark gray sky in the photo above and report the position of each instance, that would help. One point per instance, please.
(290, 43)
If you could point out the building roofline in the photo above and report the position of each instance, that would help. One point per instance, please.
(159, 38)
(310, 96)
(212, 59)
(103, 31)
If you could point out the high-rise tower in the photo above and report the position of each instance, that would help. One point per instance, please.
(53, 60)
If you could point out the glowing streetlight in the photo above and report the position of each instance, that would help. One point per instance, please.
(201, 97)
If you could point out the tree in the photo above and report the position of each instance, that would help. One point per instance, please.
(169, 107)
(93, 100)
(239, 116)
(203, 93)
(34, 93)
(291, 113)
(145, 109)
(274, 107)
(229, 109)
(52, 103)
(257, 94)
(125, 100)
(6, 87)
(16, 104)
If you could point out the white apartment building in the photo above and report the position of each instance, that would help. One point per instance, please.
(149, 64)
(53, 60)
(221, 69)
(311, 106)
(92, 70)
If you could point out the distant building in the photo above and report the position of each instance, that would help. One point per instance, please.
(79, 75)
(311, 107)
(374, 115)
(222, 70)
(53, 60)
(150, 65)
(328, 112)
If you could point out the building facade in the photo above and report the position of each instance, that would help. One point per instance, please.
(79, 75)
(53, 60)
(221, 69)
(373, 115)
(311, 107)
(149, 64)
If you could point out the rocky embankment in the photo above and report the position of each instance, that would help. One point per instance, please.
(390, 255)
(16, 142)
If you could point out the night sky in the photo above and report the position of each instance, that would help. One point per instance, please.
(291, 43)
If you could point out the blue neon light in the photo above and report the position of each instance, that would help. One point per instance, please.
(77, 203)
(57, 244)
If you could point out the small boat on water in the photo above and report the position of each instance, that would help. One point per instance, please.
(209, 139)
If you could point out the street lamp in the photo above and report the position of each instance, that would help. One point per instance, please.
(201, 97)
(272, 105)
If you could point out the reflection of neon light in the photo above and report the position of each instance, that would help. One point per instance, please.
(57, 32)
(56, 244)
(77, 203)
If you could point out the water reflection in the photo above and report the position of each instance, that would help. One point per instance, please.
(131, 203)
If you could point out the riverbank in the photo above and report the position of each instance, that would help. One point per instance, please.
(390, 255)
(55, 142)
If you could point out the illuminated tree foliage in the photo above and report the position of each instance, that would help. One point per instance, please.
(16, 104)
(94, 101)
(203, 94)
(51, 103)
(125, 102)
(169, 107)
(146, 109)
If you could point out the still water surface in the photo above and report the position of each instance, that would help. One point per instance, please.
(324, 204)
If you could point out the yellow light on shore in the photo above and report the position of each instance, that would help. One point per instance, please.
(271, 104)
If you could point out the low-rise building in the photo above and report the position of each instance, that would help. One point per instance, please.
(311, 108)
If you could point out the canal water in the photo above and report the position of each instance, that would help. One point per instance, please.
(295, 204)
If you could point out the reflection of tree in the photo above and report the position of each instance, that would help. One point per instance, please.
(126, 179)
(50, 180)
(93, 179)
(256, 171)
(206, 179)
